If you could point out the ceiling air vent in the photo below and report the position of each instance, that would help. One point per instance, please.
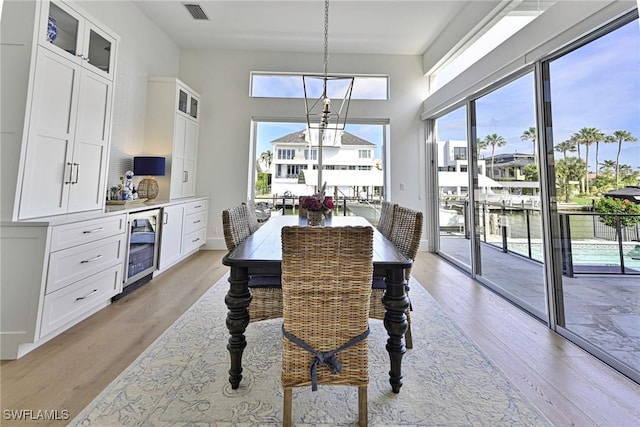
(196, 11)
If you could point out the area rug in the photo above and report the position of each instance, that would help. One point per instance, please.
(182, 379)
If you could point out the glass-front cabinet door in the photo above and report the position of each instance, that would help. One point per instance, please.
(187, 103)
(66, 32)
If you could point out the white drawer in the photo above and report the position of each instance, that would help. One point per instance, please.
(66, 305)
(77, 233)
(70, 265)
(195, 222)
(193, 207)
(193, 240)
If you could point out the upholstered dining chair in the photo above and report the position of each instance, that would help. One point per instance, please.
(266, 292)
(387, 210)
(326, 286)
(406, 232)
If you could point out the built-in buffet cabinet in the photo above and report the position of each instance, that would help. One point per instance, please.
(171, 130)
(67, 122)
(55, 275)
(184, 231)
(61, 255)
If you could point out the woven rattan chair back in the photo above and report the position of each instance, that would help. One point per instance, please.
(266, 292)
(326, 286)
(252, 218)
(235, 226)
(405, 233)
(387, 210)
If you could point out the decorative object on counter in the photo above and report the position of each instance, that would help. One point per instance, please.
(149, 166)
(125, 193)
(317, 206)
(127, 187)
(52, 30)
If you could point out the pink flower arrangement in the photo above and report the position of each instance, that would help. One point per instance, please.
(318, 202)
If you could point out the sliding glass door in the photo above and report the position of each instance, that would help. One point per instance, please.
(507, 194)
(552, 221)
(453, 187)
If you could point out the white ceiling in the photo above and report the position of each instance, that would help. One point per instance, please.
(406, 27)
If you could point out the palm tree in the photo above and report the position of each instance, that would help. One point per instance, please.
(621, 136)
(531, 135)
(588, 136)
(494, 140)
(571, 169)
(608, 165)
(566, 146)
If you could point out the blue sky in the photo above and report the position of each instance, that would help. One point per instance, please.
(597, 85)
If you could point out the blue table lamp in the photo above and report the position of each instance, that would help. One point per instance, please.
(149, 167)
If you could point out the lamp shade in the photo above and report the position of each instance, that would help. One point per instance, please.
(146, 165)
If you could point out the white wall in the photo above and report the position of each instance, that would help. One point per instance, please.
(222, 79)
(144, 51)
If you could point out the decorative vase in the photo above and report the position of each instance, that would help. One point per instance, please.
(52, 30)
(315, 218)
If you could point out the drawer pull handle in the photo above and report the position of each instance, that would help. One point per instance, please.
(84, 261)
(196, 207)
(193, 241)
(95, 230)
(195, 222)
(87, 295)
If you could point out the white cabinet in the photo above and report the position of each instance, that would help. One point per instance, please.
(183, 160)
(65, 160)
(63, 165)
(195, 226)
(54, 276)
(172, 131)
(171, 236)
(65, 31)
(184, 230)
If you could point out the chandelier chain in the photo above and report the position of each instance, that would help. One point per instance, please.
(326, 37)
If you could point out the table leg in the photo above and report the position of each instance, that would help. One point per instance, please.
(396, 303)
(237, 300)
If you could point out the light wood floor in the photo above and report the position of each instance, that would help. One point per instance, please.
(571, 387)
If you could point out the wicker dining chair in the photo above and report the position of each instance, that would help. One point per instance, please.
(266, 291)
(326, 286)
(252, 217)
(387, 210)
(406, 232)
(235, 226)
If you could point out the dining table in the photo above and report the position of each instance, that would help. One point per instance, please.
(261, 254)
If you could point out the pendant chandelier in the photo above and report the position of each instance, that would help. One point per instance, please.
(323, 111)
(328, 111)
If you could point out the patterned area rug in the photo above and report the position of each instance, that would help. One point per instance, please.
(182, 379)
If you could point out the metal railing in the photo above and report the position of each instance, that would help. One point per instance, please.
(588, 244)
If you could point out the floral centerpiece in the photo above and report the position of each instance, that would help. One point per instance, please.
(317, 205)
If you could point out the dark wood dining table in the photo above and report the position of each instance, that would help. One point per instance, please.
(261, 253)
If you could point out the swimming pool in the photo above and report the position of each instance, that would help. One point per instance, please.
(589, 254)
